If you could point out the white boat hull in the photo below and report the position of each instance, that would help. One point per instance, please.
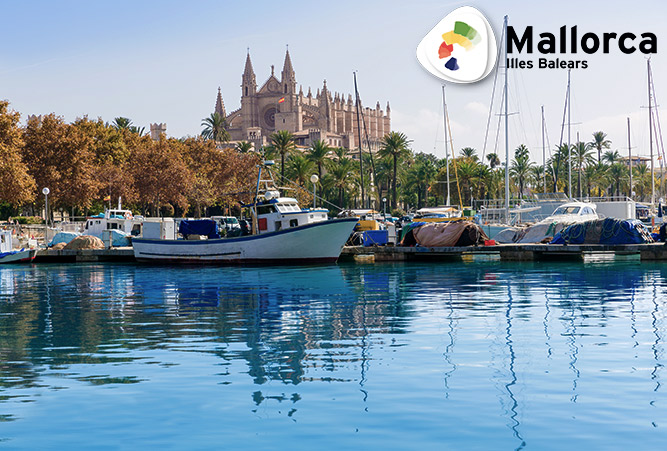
(319, 242)
(23, 256)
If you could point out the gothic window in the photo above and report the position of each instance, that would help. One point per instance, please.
(285, 88)
(246, 91)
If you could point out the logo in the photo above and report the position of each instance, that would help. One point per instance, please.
(461, 48)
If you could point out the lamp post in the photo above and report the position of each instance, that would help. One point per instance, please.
(46, 192)
(384, 207)
(314, 179)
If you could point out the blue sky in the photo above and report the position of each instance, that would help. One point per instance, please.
(162, 61)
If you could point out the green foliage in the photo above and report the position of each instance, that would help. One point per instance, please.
(29, 220)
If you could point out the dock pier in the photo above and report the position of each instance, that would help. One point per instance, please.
(505, 252)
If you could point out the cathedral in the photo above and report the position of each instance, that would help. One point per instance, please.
(277, 105)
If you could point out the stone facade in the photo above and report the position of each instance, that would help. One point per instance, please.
(277, 105)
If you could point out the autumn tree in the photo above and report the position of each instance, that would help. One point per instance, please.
(59, 156)
(16, 185)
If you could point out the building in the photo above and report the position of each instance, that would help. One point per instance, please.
(277, 105)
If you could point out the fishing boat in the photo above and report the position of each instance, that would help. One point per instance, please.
(9, 255)
(282, 233)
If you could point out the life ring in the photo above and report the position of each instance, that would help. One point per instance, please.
(128, 215)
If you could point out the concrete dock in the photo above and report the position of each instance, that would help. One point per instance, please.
(506, 252)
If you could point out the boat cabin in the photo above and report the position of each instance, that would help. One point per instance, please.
(279, 213)
(5, 241)
(116, 219)
(573, 212)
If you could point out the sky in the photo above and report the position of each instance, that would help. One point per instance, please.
(163, 61)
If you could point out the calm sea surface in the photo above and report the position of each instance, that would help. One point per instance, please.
(482, 355)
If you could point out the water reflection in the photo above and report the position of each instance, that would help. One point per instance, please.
(277, 334)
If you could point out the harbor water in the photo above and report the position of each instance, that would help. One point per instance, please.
(468, 355)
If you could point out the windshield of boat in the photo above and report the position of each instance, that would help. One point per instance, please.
(567, 210)
(231, 221)
(287, 207)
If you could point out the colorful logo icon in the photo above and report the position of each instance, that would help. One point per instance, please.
(461, 48)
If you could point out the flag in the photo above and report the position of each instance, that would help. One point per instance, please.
(429, 189)
(282, 99)
(107, 199)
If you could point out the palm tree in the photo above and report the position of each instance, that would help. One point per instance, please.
(283, 143)
(300, 169)
(582, 157)
(559, 164)
(469, 152)
(395, 145)
(122, 123)
(494, 160)
(215, 128)
(520, 167)
(319, 154)
(244, 146)
(642, 179)
(617, 173)
(611, 157)
(466, 171)
(341, 171)
(600, 142)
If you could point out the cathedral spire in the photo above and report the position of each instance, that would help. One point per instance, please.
(220, 105)
(248, 66)
(288, 77)
(249, 82)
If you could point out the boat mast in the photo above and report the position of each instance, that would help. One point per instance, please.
(544, 157)
(444, 116)
(361, 160)
(630, 158)
(569, 143)
(507, 145)
(650, 132)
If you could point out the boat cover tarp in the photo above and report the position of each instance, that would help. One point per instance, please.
(206, 227)
(605, 231)
(445, 234)
(119, 238)
(407, 237)
(63, 237)
(537, 233)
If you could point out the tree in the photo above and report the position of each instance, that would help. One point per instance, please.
(282, 142)
(582, 157)
(60, 156)
(600, 142)
(300, 168)
(124, 123)
(397, 146)
(160, 174)
(611, 157)
(341, 172)
(244, 146)
(521, 166)
(469, 152)
(494, 160)
(215, 128)
(319, 153)
(16, 185)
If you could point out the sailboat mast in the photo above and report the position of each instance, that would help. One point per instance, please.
(544, 157)
(361, 160)
(507, 142)
(444, 116)
(569, 143)
(630, 158)
(650, 131)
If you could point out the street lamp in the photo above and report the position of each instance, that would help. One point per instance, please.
(384, 207)
(46, 192)
(314, 179)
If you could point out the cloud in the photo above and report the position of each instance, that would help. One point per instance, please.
(477, 108)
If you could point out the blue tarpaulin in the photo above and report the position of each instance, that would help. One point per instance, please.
(206, 227)
(63, 237)
(604, 231)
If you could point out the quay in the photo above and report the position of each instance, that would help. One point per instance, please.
(505, 252)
